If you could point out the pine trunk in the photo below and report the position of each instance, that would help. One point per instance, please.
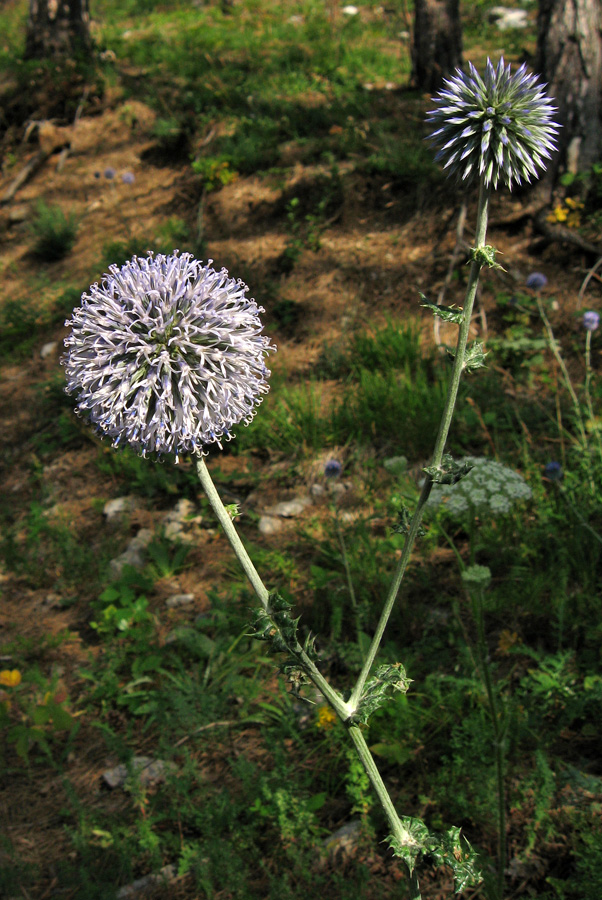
(57, 28)
(437, 43)
(569, 59)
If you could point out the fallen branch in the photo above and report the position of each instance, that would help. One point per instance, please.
(27, 172)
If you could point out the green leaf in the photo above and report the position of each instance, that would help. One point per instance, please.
(485, 256)
(386, 681)
(447, 313)
(449, 849)
(449, 472)
(474, 357)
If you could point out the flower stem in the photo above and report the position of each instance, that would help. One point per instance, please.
(446, 420)
(221, 513)
(397, 829)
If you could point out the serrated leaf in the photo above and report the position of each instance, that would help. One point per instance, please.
(385, 682)
(475, 357)
(447, 313)
(450, 471)
(449, 849)
(485, 256)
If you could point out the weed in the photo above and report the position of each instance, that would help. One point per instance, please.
(53, 232)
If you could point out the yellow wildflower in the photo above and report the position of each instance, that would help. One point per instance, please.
(10, 678)
(326, 718)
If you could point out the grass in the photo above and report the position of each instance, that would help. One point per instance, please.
(110, 671)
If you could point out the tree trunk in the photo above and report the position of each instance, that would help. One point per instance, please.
(437, 43)
(57, 28)
(569, 59)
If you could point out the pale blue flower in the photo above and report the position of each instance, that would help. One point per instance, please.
(553, 471)
(167, 355)
(333, 468)
(536, 281)
(591, 320)
(495, 128)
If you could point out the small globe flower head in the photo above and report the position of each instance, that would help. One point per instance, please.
(495, 128)
(167, 355)
(536, 281)
(128, 178)
(332, 469)
(591, 320)
(553, 471)
(110, 173)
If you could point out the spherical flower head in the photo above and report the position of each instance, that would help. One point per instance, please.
(110, 173)
(489, 489)
(332, 469)
(128, 178)
(536, 281)
(553, 471)
(591, 320)
(495, 128)
(167, 355)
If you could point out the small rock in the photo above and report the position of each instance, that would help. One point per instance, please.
(269, 525)
(337, 488)
(133, 554)
(147, 769)
(342, 844)
(48, 349)
(163, 876)
(118, 507)
(317, 490)
(179, 600)
(289, 508)
(173, 531)
(505, 18)
(396, 465)
(350, 10)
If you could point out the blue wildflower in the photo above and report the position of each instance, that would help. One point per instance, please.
(494, 128)
(333, 468)
(591, 320)
(536, 281)
(553, 471)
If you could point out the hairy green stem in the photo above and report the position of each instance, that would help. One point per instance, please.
(397, 829)
(446, 420)
(221, 513)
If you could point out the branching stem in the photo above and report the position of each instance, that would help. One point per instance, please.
(446, 420)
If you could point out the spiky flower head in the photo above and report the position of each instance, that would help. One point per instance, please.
(167, 354)
(496, 128)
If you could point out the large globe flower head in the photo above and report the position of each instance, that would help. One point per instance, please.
(496, 128)
(167, 355)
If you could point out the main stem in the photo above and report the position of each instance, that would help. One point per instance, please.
(446, 420)
(336, 701)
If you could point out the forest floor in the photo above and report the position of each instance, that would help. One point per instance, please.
(375, 248)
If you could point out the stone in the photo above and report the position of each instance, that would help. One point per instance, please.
(504, 18)
(117, 508)
(147, 770)
(139, 886)
(269, 525)
(341, 845)
(133, 554)
(289, 508)
(48, 349)
(179, 600)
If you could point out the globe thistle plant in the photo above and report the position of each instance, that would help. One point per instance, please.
(167, 355)
(497, 128)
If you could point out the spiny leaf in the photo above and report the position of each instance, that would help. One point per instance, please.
(447, 313)
(383, 684)
(449, 472)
